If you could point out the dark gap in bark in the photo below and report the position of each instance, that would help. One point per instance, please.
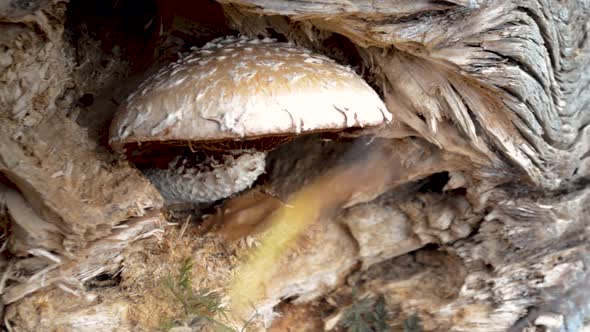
(444, 3)
(4, 180)
(429, 247)
(86, 100)
(350, 54)
(458, 191)
(525, 321)
(276, 35)
(435, 183)
(289, 299)
(130, 18)
(104, 280)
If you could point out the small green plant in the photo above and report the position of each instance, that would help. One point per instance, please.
(169, 324)
(367, 314)
(412, 324)
(199, 306)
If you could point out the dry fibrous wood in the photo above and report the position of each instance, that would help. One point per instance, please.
(87, 312)
(33, 65)
(526, 262)
(500, 83)
(104, 256)
(14, 9)
(507, 75)
(514, 274)
(71, 182)
(28, 230)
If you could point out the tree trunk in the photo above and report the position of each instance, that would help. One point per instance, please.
(478, 223)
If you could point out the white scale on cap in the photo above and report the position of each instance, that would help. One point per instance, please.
(238, 88)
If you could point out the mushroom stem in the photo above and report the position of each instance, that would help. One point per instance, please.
(208, 182)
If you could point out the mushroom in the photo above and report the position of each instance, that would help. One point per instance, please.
(200, 127)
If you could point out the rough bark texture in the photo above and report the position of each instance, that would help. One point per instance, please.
(477, 219)
(75, 190)
(68, 179)
(500, 82)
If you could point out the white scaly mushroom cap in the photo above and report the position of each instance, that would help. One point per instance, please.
(236, 88)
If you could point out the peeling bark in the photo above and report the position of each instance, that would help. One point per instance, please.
(103, 256)
(70, 184)
(493, 70)
(69, 180)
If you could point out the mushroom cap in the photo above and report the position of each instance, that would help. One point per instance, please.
(238, 88)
